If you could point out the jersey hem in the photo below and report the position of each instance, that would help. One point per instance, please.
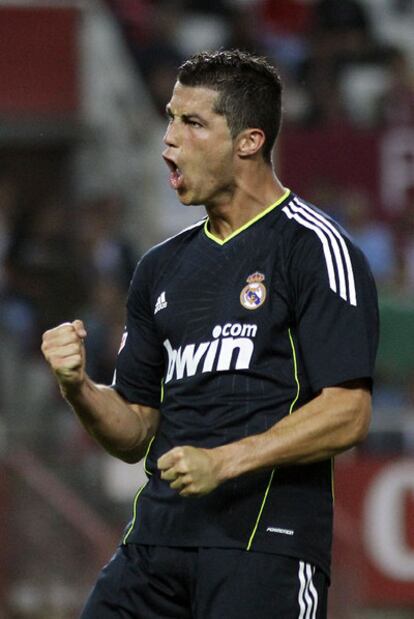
(307, 557)
(317, 385)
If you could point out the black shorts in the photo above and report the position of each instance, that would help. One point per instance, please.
(156, 582)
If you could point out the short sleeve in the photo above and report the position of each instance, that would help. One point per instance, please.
(140, 364)
(335, 309)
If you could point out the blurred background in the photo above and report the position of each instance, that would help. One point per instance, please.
(84, 192)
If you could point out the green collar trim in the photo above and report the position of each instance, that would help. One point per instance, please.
(246, 225)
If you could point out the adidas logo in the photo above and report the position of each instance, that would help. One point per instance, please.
(161, 303)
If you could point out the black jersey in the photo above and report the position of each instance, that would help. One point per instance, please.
(227, 338)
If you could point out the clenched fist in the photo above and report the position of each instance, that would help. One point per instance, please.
(64, 351)
(191, 471)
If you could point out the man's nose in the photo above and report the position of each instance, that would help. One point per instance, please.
(171, 135)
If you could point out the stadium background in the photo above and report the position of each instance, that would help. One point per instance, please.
(83, 192)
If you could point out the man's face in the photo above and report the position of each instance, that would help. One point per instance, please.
(199, 149)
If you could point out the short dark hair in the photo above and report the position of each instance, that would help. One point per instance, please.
(249, 90)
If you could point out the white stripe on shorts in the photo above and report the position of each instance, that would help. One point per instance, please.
(308, 595)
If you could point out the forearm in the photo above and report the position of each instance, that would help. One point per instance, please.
(319, 430)
(123, 430)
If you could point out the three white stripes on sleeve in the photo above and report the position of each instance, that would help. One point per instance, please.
(334, 248)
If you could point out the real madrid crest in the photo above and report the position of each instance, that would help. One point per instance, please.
(254, 294)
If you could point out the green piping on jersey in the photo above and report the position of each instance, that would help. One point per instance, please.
(249, 545)
(295, 372)
(152, 439)
(162, 392)
(146, 456)
(295, 365)
(134, 516)
(246, 225)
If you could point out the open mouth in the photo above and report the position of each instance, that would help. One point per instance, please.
(176, 176)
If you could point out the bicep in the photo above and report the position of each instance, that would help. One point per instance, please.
(352, 402)
(147, 414)
(356, 392)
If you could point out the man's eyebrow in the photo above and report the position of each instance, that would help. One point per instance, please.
(193, 116)
(185, 117)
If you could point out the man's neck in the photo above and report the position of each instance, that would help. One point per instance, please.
(251, 196)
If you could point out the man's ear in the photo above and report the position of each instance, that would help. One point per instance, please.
(249, 142)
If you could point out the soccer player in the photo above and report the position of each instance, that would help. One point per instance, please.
(245, 367)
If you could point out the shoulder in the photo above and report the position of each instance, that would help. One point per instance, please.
(154, 260)
(311, 231)
(173, 243)
(304, 221)
(320, 248)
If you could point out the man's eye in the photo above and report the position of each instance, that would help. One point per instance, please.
(194, 123)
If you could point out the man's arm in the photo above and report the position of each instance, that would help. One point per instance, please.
(123, 429)
(337, 419)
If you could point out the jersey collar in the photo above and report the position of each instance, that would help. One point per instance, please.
(247, 224)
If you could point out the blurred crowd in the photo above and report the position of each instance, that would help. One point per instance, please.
(336, 65)
(55, 266)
